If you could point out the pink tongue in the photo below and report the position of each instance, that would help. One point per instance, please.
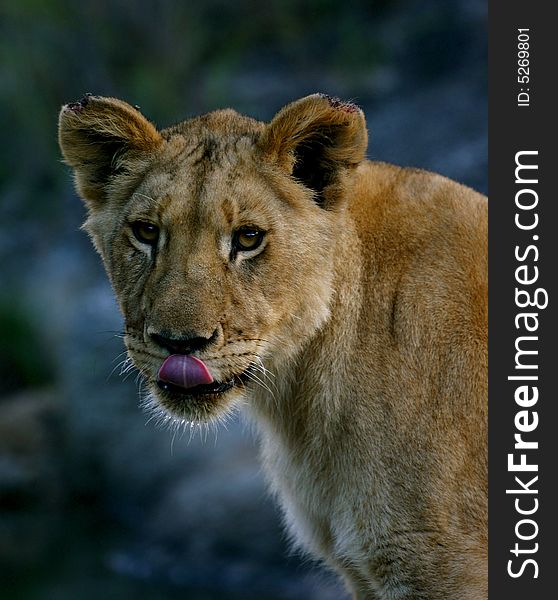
(184, 371)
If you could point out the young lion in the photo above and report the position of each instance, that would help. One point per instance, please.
(344, 300)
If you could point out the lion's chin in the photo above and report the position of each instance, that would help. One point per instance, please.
(201, 404)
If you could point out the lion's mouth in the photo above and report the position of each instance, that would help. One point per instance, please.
(215, 388)
(186, 375)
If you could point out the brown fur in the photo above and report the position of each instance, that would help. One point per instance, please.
(361, 321)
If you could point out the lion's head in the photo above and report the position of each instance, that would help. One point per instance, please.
(218, 235)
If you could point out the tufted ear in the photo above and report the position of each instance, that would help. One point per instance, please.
(100, 138)
(316, 139)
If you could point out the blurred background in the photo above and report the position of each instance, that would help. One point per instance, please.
(94, 501)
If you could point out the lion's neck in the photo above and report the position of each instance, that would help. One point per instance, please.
(307, 391)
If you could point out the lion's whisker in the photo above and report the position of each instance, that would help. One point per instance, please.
(256, 379)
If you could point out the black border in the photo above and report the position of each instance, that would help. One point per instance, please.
(512, 129)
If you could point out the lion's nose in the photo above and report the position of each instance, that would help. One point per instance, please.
(184, 344)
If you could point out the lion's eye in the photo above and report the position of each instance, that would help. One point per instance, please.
(145, 232)
(247, 238)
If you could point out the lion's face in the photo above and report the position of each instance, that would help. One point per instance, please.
(218, 238)
(212, 261)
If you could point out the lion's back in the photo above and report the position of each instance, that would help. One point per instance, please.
(423, 329)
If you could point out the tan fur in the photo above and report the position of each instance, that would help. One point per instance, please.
(361, 321)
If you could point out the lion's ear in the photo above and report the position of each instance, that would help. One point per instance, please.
(99, 138)
(316, 139)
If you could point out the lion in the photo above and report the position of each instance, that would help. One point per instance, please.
(342, 302)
